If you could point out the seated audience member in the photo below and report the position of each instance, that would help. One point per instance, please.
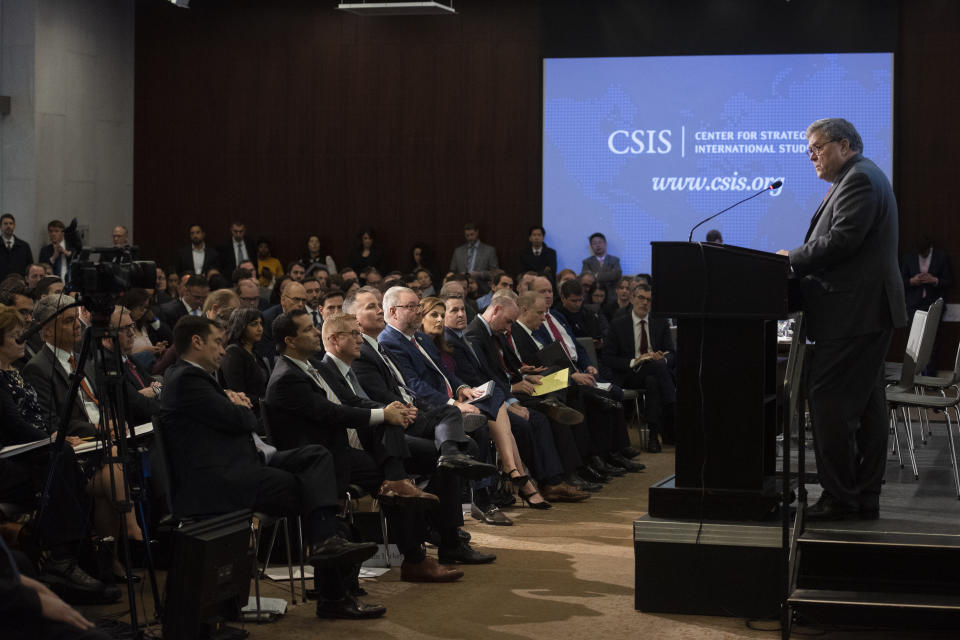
(151, 335)
(715, 236)
(424, 282)
(313, 292)
(217, 280)
(140, 391)
(605, 267)
(538, 257)
(268, 267)
(331, 303)
(56, 253)
(640, 352)
(23, 477)
(120, 236)
(369, 276)
(321, 273)
(564, 275)
(473, 256)
(173, 284)
(498, 280)
(292, 296)
(524, 280)
(35, 273)
(347, 274)
(159, 294)
(588, 282)
(197, 257)
(584, 322)
(217, 306)
(421, 364)
(219, 466)
(195, 291)
(314, 255)
(47, 285)
(364, 254)
(597, 297)
(277, 289)
(238, 249)
(603, 408)
(296, 271)
(242, 369)
(15, 253)
(478, 355)
(248, 291)
(620, 303)
(393, 278)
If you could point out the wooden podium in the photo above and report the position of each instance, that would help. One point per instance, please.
(727, 301)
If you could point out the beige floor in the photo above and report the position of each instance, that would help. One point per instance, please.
(563, 573)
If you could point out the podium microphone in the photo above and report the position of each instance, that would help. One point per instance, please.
(771, 187)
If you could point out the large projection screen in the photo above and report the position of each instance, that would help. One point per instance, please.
(641, 149)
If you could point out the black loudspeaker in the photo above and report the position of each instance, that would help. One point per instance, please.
(209, 578)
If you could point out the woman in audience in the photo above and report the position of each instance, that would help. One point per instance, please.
(160, 295)
(173, 284)
(152, 335)
(433, 310)
(365, 254)
(621, 303)
(241, 369)
(23, 417)
(314, 255)
(268, 267)
(419, 258)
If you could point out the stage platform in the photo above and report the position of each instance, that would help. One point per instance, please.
(736, 568)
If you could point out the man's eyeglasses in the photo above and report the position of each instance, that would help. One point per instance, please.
(645, 299)
(127, 328)
(409, 307)
(355, 334)
(815, 149)
(297, 300)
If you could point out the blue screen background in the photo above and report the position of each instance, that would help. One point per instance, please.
(587, 187)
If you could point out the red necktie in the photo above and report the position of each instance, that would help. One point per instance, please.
(556, 336)
(83, 382)
(136, 375)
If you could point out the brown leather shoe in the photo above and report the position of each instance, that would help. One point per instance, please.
(562, 492)
(428, 570)
(403, 493)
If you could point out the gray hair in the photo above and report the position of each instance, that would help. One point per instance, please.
(837, 129)
(392, 297)
(504, 293)
(446, 291)
(49, 305)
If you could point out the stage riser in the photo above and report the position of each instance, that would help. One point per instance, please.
(853, 567)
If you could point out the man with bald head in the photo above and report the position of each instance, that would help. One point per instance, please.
(292, 296)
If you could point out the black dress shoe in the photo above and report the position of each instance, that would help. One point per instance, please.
(590, 474)
(608, 403)
(606, 468)
(829, 509)
(336, 552)
(630, 452)
(76, 586)
(464, 554)
(349, 607)
(465, 466)
(629, 465)
(578, 482)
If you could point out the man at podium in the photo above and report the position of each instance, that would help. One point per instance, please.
(852, 298)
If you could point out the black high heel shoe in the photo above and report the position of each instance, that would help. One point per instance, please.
(543, 504)
(517, 481)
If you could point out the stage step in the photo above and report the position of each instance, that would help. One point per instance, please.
(880, 539)
(875, 599)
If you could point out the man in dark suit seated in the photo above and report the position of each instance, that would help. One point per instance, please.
(539, 328)
(292, 297)
(189, 304)
(584, 322)
(140, 392)
(50, 369)
(538, 257)
(478, 359)
(197, 257)
(219, 466)
(640, 352)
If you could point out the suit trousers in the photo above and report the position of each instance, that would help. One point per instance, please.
(536, 445)
(848, 408)
(443, 424)
(654, 377)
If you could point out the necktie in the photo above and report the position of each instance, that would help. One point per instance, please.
(316, 319)
(83, 382)
(426, 355)
(239, 252)
(555, 332)
(9, 245)
(405, 392)
(513, 345)
(352, 436)
(644, 345)
(355, 383)
(133, 370)
(471, 256)
(195, 312)
(503, 363)
(536, 252)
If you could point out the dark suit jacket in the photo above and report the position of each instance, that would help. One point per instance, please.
(939, 268)
(545, 337)
(300, 413)
(209, 444)
(17, 259)
(140, 408)
(243, 371)
(606, 274)
(420, 375)
(485, 347)
(620, 347)
(172, 311)
(46, 253)
(52, 385)
(211, 259)
(228, 258)
(375, 377)
(546, 262)
(850, 280)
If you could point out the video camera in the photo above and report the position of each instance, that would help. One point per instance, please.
(99, 274)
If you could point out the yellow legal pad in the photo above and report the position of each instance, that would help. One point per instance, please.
(553, 382)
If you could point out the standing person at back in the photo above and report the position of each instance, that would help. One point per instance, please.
(473, 257)
(604, 267)
(852, 298)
